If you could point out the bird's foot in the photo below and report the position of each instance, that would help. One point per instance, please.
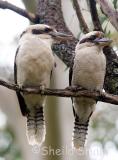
(75, 88)
(22, 87)
(26, 86)
(42, 88)
(100, 91)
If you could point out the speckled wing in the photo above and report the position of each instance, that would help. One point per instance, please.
(21, 100)
(70, 82)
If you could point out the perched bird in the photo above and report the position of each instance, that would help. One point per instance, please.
(88, 71)
(33, 66)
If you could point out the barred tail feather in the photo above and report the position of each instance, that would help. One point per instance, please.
(80, 133)
(36, 127)
(40, 126)
(30, 132)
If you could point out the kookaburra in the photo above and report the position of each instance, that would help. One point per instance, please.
(34, 62)
(88, 71)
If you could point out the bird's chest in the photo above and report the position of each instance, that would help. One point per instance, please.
(34, 63)
(89, 70)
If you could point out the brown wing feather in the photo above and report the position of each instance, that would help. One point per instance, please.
(70, 81)
(21, 100)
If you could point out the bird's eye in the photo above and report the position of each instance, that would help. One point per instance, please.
(93, 37)
(48, 30)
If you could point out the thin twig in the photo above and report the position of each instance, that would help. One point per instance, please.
(32, 17)
(67, 92)
(80, 17)
(110, 12)
(94, 15)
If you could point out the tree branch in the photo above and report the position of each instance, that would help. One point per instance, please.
(110, 12)
(94, 15)
(80, 17)
(67, 92)
(32, 17)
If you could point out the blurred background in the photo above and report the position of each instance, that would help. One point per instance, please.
(102, 142)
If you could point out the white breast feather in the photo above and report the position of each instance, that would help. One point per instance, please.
(35, 61)
(89, 68)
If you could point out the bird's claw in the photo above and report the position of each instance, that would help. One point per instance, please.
(21, 87)
(42, 88)
(74, 88)
(100, 91)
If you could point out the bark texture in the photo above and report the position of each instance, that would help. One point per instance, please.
(111, 79)
(50, 12)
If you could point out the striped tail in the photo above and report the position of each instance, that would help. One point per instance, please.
(80, 133)
(36, 127)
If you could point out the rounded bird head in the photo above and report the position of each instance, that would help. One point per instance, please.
(95, 37)
(47, 32)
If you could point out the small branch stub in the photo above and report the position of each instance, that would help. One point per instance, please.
(80, 17)
(32, 17)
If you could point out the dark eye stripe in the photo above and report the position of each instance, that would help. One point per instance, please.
(90, 39)
(93, 37)
(84, 40)
(37, 31)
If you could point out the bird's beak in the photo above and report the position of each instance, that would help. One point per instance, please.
(60, 36)
(103, 41)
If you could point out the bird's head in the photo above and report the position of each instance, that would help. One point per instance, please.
(97, 38)
(47, 32)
